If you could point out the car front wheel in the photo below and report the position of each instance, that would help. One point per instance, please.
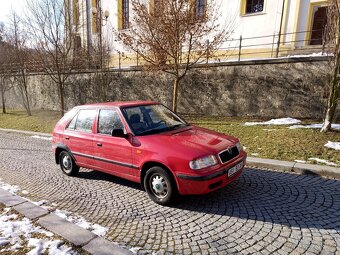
(67, 164)
(159, 185)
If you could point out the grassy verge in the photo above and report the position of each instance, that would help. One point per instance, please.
(40, 121)
(276, 142)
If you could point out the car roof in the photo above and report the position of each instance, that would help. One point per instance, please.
(119, 104)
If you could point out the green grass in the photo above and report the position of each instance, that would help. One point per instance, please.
(40, 121)
(276, 142)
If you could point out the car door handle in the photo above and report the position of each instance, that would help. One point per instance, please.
(99, 145)
(67, 138)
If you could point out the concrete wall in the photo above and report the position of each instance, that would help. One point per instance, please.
(280, 90)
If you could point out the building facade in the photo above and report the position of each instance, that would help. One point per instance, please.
(263, 28)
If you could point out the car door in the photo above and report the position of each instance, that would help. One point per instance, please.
(78, 137)
(112, 154)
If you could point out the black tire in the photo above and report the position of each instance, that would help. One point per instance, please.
(67, 164)
(159, 185)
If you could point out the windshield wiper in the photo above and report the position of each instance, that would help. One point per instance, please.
(153, 131)
(159, 130)
(174, 127)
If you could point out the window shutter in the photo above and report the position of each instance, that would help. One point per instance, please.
(120, 14)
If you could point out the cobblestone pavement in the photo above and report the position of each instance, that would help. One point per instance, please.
(264, 212)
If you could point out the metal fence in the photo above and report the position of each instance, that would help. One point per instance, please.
(245, 48)
(232, 50)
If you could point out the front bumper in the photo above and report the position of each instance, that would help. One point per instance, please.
(196, 185)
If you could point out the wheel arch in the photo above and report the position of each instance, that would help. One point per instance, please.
(147, 165)
(59, 149)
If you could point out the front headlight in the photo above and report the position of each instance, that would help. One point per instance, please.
(239, 146)
(203, 162)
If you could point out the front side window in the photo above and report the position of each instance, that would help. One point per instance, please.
(254, 6)
(85, 120)
(152, 119)
(108, 121)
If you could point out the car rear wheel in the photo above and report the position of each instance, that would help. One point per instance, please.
(159, 185)
(67, 164)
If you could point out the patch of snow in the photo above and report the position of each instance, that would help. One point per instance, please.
(300, 161)
(315, 54)
(281, 121)
(318, 126)
(25, 192)
(80, 221)
(10, 188)
(54, 247)
(42, 137)
(135, 249)
(40, 203)
(323, 161)
(48, 208)
(269, 130)
(15, 232)
(254, 154)
(333, 145)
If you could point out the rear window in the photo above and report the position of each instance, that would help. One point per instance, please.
(83, 121)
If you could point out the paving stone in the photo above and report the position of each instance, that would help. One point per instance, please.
(71, 232)
(100, 246)
(9, 199)
(30, 210)
(262, 212)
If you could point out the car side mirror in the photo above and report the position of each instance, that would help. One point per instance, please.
(118, 132)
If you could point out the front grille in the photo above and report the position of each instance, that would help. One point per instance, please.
(229, 154)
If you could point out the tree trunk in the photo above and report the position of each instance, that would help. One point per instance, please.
(25, 94)
(327, 124)
(175, 95)
(28, 109)
(61, 95)
(2, 90)
(333, 97)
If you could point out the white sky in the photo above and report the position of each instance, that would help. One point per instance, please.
(6, 6)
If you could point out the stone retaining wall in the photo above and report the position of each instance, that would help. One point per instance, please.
(274, 90)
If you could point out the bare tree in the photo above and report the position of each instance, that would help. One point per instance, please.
(52, 32)
(19, 58)
(101, 53)
(4, 67)
(173, 36)
(332, 43)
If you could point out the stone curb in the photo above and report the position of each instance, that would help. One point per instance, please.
(25, 132)
(71, 232)
(286, 166)
(289, 166)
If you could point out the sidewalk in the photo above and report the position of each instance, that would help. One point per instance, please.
(74, 234)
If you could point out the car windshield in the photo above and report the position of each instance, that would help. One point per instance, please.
(152, 119)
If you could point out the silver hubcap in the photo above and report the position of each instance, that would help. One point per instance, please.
(159, 186)
(67, 162)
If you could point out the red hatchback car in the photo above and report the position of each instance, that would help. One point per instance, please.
(145, 142)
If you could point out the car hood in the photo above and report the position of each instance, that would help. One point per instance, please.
(192, 141)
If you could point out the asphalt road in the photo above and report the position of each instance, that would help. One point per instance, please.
(264, 212)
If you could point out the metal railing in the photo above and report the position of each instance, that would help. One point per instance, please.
(234, 49)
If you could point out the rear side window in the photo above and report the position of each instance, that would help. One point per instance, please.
(109, 120)
(84, 121)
